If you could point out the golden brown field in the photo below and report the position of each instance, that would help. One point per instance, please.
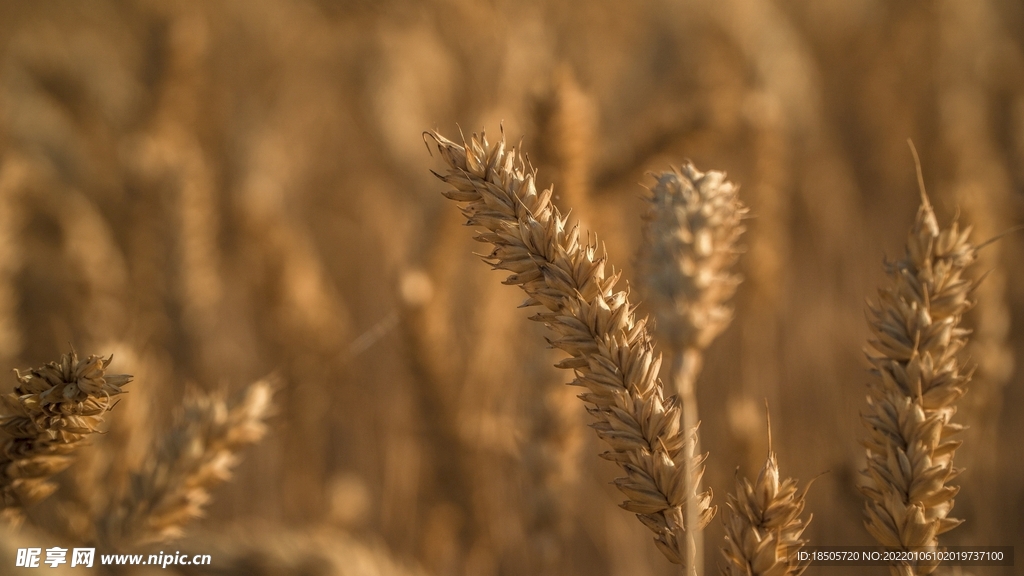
(218, 192)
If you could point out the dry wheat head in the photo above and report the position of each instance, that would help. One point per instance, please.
(611, 351)
(47, 417)
(916, 337)
(763, 527)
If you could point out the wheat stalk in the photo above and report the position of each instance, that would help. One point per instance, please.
(763, 529)
(685, 269)
(611, 351)
(913, 353)
(198, 453)
(48, 416)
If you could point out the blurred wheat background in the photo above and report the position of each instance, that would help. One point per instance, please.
(215, 191)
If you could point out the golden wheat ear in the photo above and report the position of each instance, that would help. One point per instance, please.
(198, 453)
(48, 416)
(611, 352)
(763, 527)
(916, 338)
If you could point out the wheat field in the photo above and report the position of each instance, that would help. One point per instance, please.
(234, 200)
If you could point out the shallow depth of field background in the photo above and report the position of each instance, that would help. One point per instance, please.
(214, 191)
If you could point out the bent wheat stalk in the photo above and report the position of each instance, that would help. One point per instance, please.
(685, 271)
(47, 417)
(916, 338)
(611, 352)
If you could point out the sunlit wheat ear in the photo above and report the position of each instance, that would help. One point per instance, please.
(194, 456)
(610, 351)
(763, 527)
(47, 417)
(911, 402)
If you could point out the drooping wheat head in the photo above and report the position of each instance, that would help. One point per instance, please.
(911, 402)
(610, 350)
(48, 416)
(198, 453)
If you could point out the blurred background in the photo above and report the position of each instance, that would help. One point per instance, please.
(214, 191)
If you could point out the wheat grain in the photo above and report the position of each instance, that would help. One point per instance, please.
(916, 338)
(49, 414)
(611, 351)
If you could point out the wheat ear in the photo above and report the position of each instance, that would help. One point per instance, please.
(913, 353)
(763, 529)
(611, 351)
(47, 417)
(198, 453)
(691, 228)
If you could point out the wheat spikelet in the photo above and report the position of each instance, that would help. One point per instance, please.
(685, 269)
(913, 353)
(171, 156)
(194, 456)
(48, 416)
(763, 529)
(611, 351)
